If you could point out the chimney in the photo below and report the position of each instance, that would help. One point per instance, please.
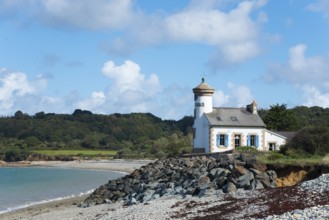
(252, 108)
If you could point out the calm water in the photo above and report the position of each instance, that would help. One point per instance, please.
(21, 187)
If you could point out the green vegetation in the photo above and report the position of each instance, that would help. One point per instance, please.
(15, 155)
(76, 153)
(279, 158)
(136, 135)
(143, 135)
(246, 149)
(279, 118)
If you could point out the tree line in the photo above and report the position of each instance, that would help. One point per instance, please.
(142, 135)
(310, 123)
(132, 135)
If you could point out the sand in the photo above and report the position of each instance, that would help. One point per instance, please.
(67, 208)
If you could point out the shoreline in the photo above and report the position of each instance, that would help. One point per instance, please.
(69, 203)
(245, 203)
(116, 165)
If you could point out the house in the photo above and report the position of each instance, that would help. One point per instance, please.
(219, 129)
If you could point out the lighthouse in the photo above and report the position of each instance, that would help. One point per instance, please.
(202, 105)
(219, 129)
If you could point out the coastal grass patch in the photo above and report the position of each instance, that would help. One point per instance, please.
(77, 153)
(278, 158)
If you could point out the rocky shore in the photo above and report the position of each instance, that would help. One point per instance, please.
(194, 188)
(186, 177)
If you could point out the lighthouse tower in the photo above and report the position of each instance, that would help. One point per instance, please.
(202, 104)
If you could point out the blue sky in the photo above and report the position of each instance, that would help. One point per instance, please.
(126, 56)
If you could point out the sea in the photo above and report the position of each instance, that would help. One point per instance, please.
(21, 187)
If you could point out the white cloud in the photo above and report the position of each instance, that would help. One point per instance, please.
(220, 99)
(237, 96)
(320, 6)
(128, 77)
(236, 53)
(129, 90)
(314, 97)
(14, 84)
(15, 89)
(234, 34)
(299, 68)
(96, 100)
(309, 74)
(240, 95)
(212, 25)
(231, 31)
(96, 14)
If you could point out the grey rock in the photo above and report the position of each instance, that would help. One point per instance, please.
(220, 181)
(148, 195)
(229, 187)
(216, 172)
(244, 181)
(203, 182)
(202, 192)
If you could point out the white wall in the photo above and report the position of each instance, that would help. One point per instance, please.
(201, 138)
(203, 104)
(230, 131)
(271, 137)
(264, 138)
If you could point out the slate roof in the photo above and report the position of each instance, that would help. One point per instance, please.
(234, 117)
(288, 134)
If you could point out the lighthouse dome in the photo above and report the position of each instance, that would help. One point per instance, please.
(203, 89)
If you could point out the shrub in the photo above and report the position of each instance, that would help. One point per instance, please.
(274, 155)
(15, 155)
(311, 140)
(246, 149)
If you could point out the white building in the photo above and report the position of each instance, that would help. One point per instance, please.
(223, 129)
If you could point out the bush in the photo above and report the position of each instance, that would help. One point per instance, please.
(274, 155)
(15, 155)
(246, 149)
(313, 140)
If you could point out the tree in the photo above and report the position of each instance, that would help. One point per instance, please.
(310, 140)
(279, 118)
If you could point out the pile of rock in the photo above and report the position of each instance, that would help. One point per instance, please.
(195, 176)
(319, 185)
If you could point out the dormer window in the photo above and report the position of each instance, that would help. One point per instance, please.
(234, 118)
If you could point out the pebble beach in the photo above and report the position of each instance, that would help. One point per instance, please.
(308, 200)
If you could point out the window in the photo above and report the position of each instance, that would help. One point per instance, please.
(221, 140)
(234, 118)
(271, 146)
(237, 142)
(253, 140)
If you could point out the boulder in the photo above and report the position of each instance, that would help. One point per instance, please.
(197, 176)
(240, 170)
(229, 187)
(214, 173)
(147, 195)
(220, 181)
(245, 180)
(203, 182)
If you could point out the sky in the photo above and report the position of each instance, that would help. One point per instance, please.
(110, 56)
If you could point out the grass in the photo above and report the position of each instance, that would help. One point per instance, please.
(77, 153)
(285, 160)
